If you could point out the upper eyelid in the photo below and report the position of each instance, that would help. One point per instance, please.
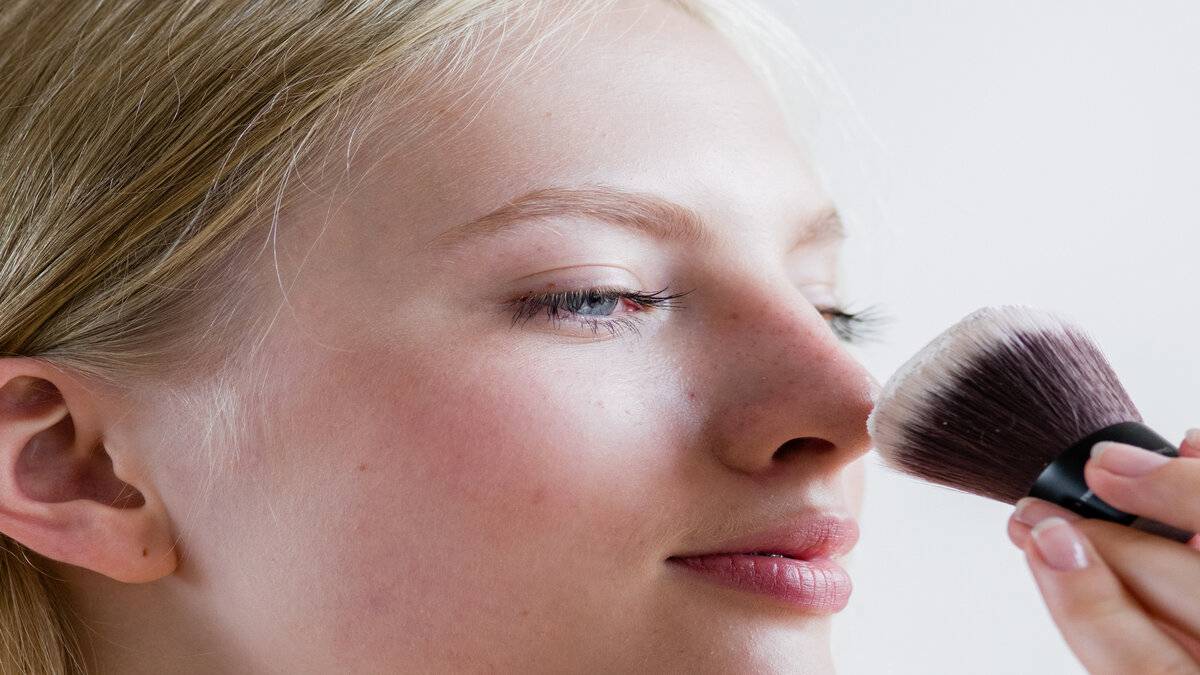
(649, 297)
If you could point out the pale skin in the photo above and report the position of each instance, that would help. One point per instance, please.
(437, 489)
(431, 487)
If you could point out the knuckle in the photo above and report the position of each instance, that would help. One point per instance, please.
(1107, 533)
(1181, 474)
(1097, 611)
(1091, 526)
(1097, 530)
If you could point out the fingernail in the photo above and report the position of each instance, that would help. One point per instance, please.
(1059, 545)
(1126, 460)
(1193, 438)
(1031, 511)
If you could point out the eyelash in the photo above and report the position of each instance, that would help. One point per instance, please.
(850, 326)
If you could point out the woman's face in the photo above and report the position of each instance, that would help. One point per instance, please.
(442, 486)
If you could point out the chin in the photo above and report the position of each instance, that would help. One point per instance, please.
(703, 636)
(751, 655)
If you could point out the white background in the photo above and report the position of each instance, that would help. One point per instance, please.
(1042, 153)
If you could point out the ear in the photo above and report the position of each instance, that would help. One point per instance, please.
(64, 494)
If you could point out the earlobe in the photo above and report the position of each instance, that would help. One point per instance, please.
(59, 492)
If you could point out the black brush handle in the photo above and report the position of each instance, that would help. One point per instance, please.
(1061, 482)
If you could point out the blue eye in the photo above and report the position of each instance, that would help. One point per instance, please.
(594, 308)
(594, 303)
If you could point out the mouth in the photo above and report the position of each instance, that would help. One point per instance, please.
(791, 564)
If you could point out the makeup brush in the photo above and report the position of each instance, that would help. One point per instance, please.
(1008, 403)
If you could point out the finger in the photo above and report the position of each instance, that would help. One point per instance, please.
(1029, 512)
(1101, 622)
(1121, 550)
(1190, 447)
(1146, 483)
(1161, 574)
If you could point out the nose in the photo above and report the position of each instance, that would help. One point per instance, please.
(787, 392)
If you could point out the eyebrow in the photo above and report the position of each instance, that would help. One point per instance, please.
(641, 212)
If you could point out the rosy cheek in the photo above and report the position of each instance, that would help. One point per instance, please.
(493, 448)
(462, 461)
(486, 470)
(450, 455)
(429, 442)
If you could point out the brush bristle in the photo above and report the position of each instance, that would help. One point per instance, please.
(986, 405)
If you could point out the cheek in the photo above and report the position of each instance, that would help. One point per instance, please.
(499, 445)
(474, 487)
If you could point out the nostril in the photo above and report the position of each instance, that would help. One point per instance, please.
(807, 444)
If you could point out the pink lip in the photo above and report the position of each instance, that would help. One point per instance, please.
(807, 579)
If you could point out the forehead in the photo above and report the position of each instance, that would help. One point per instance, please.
(642, 96)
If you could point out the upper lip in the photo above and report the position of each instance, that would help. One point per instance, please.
(807, 536)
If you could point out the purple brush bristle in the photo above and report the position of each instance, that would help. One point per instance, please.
(989, 403)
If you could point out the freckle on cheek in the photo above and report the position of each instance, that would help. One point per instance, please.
(734, 316)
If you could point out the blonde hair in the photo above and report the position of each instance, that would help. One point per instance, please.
(147, 150)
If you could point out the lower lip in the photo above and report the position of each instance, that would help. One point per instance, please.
(816, 586)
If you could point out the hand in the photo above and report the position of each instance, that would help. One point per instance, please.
(1126, 601)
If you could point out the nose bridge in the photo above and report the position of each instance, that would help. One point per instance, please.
(784, 375)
